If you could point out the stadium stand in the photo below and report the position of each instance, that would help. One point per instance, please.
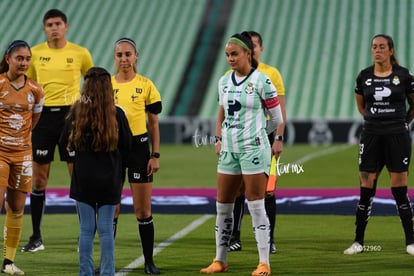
(318, 45)
(164, 31)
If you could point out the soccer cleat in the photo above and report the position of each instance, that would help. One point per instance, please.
(262, 270)
(355, 248)
(272, 249)
(12, 269)
(235, 245)
(150, 268)
(33, 245)
(410, 249)
(215, 267)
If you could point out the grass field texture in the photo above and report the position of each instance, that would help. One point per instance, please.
(307, 244)
(189, 166)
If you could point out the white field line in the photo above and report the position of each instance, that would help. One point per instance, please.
(317, 154)
(140, 260)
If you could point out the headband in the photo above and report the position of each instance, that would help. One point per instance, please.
(15, 44)
(127, 40)
(239, 42)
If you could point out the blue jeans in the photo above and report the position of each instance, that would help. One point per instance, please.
(92, 218)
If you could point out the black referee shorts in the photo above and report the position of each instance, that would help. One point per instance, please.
(46, 134)
(138, 160)
(390, 150)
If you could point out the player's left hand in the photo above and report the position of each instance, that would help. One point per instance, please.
(153, 166)
(277, 148)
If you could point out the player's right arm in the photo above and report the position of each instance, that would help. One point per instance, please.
(360, 104)
(220, 119)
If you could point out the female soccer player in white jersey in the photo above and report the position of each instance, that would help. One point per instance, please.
(245, 97)
(277, 138)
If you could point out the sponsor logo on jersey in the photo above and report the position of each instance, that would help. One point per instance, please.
(375, 110)
(11, 141)
(16, 121)
(381, 92)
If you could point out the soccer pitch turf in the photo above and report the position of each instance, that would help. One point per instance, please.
(307, 244)
(188, 166)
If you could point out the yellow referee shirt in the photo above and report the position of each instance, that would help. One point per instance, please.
(59, 71)
(133, 97)
(274, 76)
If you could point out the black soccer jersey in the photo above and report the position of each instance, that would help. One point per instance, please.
(385, 99)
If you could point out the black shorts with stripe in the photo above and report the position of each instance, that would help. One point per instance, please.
(379, 150)
(46, 134)
(137, 160)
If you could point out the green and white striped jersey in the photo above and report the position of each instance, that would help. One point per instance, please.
(244, 125)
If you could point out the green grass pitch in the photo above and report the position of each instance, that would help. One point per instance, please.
(307, 244)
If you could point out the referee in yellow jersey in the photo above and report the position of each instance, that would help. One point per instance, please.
(140, 99)
(58, 66)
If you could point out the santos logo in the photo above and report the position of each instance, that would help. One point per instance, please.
(381, 92)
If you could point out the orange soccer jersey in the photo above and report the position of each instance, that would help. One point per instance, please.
(16, 110)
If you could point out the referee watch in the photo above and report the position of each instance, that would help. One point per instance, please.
(155, 155)
(279, 138)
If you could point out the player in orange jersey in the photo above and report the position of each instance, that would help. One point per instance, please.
(21, 101)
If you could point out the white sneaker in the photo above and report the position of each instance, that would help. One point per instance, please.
(410, 249)
(12, 270)
(355, 248)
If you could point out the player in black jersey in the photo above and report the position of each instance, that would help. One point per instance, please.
(382, 92)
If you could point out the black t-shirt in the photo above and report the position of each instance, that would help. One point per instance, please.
(97, 176)
(385, 99)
